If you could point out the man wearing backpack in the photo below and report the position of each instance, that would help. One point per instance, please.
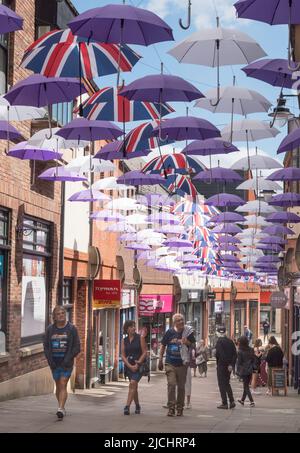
(226, 357)
(248, 334)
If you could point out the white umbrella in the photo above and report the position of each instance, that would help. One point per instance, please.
(164, 251)
(259, 184)
(171, 229)
(248, 251)
(249, 131)
(149, 233)
(110, 184)
(123, 204)
(120, 227)
(83, 164)
(249, 260)
(251, 241)
(19, 112)
(41, 140)
(255, 220)
(256, 206)
(137, 219)
(154, 242)
(257, 162)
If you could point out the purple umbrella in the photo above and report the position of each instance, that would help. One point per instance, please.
(9, 20)
(283, 217)
(277, 230)
(163, 217)
(121, 24)
(274, 72)
(89, 195)
(137, 246)
(24, 152)
(209, 147)
(227, 229)
(155, 199)
(225, 200)
(9, 132)
(287, 199)
(231, 258)
(161, 88)
(137, 178)
(227, 217)
(227, 239)
(186, 128)
(83, 129)
(177, 243)
(60, 174)
(268, 259)
(274, 248)
(285, 174)
(290, 142)
(228, 248)
(218, 174)
(107, 216)
(115, 151)
(273, 240)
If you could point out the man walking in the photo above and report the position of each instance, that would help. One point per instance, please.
(266, 327)
(248, 334)
(226, 356)
(61, 346)
(176, 341)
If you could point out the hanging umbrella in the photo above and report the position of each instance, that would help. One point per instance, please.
(9, 20)
(120, 228)
(83, 129)
(249, 130)
(107, 216)
(290, 142)
(123, 204)
(25, 152)
(61, 174)
(228, 248)
(251, 231)
(121, 24)
(194, 206)
(225, 200)
(227, 239)
(255, 220)
(256, 206)
(227, 217)
(180, 185)
(229, 258)
(277, 230)
(209, 147)
(83, 164)
(287, 199)
(137, 219)
(59, 53)
(217, 47)
(163, 217)
(283, 217)
(40, 140)
(9, 132)
(173, 163)
(227, 229)
(141, 138)
(137, 178)
(248, 251)
(19, 113)
(170, 229)
(273, 240)
(273, 248)
(155, 199)
(259, 184)
(218, 174)
(89, 195)
(117, 151)
(285, 174)
(257, 162)
(275, 72)
(109, 183)
(186, 128)
(137, 246)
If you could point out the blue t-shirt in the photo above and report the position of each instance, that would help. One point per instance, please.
(59, 343)
(173, 355)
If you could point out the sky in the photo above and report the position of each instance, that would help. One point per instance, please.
(273, 39)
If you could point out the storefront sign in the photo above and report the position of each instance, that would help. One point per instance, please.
(278, 299)
(150, 304)
(107, 294)
(219, 307)
(211, 295)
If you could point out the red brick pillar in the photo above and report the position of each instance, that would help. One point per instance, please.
(81, 324)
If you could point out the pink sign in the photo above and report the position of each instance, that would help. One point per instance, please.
(152, 303)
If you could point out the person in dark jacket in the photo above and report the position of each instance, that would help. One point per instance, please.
(274, 359)
(134, 353)
(245, 367)
(226, 358)
(61, 346)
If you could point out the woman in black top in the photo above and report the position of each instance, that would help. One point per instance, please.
(245, 366)
(134, 352)
(274, 359)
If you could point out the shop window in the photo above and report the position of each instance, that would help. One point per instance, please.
(4, 250)
(67, 299)
(3, 57)
(62, 113)
(36, 262)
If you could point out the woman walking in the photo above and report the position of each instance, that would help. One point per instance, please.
(245, 365)
(134, 353)
(258, 351)
(202, 358)
(274, 359)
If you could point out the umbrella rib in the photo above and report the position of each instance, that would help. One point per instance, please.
(275, 11)
(237, 43)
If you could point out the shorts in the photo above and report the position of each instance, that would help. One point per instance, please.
(133, 376)
(59, 372)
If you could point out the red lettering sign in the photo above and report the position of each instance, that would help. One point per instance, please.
(107, 293)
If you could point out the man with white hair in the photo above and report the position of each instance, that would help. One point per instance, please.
(176, 342)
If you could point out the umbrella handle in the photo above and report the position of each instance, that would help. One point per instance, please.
(218, 75)
(50, 125)
(186, 27)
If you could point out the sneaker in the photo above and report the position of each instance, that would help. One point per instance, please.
(232, 405)
(166, 406)
(252, 404)
(188, 406)
(126, 410)
(241, 402)
(222, 406)
(179, 412)
(60, 413)
(171, 413)
(138, 409)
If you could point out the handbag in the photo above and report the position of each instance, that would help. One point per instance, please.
(200, 359)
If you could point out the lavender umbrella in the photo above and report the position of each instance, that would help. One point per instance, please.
(121, 24)
(273, 240)
(229, 258)
(225, 200)
(116, 151)
(108, 216)
(177, 243)
(228, 248)
(285, 174)
(163, 217)
(9, 132)
(268, 259)
(218, 174)
(24, 152)
(9, 20)
(274, 72)
(186, 128)
(89, 195)
(227, 217)
(83, 129)
(290, 142)
(283, 217)
(137, 178)
(60, 174)
(274, 248)
(209, 147)
(136, 246)
(227, 229)
(277, 230)
(227, 239)
(287, 199)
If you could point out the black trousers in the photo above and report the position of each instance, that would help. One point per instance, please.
(247, 392)
(224, 384)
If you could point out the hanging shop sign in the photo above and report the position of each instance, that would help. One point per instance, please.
(151, 304)
(278, 299)
(107, 294)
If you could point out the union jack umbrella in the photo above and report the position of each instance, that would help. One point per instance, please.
(107, 104)
(141, 138)
(181, 185)
(59, 53)
(188, 207)
(192, 220)
(173, 163)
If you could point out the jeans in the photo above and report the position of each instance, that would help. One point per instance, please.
(176, 376)
(247, 392)
(224, 384)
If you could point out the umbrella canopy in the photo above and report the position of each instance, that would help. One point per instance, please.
(259, 184)
(251, 232)
(170, 229)
(248, 251)
(83, 164)
(18, 112)
(161, 88)
(273, 248)
(228, 239)
(228, 248)
(7, 131)
(60, 174)
(257, 162)
(109, 183)
(173, 163)
(137, 219)
(275, 12)
(155, 199)
(40, 91)
(121, 24)
(256, 206)
(137, 178)
(89, 195)
(234, 99)
(229, 258)
(285, 174)
(225, 200)
(9, 20)
(209, 147)
(59, 53)
(107, 104)
(83, 129)
(290, 142)
(249, 130)
(108, 216)
(227, 228)
(274, 72)
(283, 217)
(273, 240)
(117, 151)
(180, 185)
(40, 140)
(218, 174)
(186, 128)
(122, 204)
(25, 152)
(227, 217)
(255, 220)
(120, 227)
(177, 243)
(277, 230)
(287, 199)
(163, 217)
(141, 138)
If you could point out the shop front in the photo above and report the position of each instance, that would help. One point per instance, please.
(127, 313)
(296, 330)
(191, 306)
(267, 312)
(218, 316)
